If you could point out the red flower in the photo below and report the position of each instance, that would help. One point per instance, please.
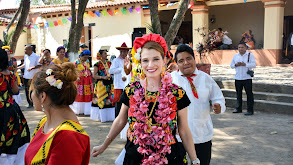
(3, 86)
(8, 134)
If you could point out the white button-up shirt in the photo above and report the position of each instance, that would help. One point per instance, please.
(30, 61)
(199, 119)
(241, 71)
(117, 68)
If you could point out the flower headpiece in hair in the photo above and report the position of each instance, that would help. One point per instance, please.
(140, 41)
(52, 81)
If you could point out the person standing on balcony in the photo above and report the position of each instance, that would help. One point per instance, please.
(243, 62)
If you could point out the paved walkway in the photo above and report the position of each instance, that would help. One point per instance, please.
(263, 74)
(238, 140)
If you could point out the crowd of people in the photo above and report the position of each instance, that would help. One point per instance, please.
(159, 102)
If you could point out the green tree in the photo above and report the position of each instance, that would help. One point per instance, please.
(176, 21)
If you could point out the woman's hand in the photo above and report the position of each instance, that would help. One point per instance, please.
(97, 150)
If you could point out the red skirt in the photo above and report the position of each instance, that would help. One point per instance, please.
(84, 89)
(117, 94)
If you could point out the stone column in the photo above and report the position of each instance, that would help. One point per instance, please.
(273, 24)
(146, 19)
(200, 19)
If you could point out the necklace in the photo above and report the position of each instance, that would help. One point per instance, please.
(153, 138)
(149, 120)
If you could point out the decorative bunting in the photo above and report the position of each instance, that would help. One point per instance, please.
(64, 21)
(110, 12)
(130, 10)
(35, 26)
(116, 11)
(46, 25)
(69, 18)
(97, 13)
(60, 22)
(245, 1)
(103, 12)
(55, 23)
(85, 14)
(124, 11)
(51, 24)
(91, 14)
(137, 9)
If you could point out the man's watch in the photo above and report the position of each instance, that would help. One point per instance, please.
(196, 161)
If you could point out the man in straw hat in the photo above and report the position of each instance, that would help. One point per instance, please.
(117, 68)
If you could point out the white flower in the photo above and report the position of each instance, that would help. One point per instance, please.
(138, 50)
(49, 71)
(59, 84)
(137, 56)
(51, 80)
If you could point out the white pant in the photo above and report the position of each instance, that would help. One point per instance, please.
(14, 159)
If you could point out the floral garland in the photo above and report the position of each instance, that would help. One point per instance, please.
(157, 136)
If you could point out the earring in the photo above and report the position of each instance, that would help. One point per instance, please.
(43, 109)
(142, 75)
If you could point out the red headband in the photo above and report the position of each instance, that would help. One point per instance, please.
(140, 41)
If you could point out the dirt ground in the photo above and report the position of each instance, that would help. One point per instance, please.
(263, 138)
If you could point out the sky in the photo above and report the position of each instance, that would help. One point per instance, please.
(6, 4)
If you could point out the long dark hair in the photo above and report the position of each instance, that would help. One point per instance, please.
(3, 60)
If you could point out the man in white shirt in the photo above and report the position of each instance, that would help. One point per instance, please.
(31, 65)
(117, 68)
(242, 62)
(200, 89)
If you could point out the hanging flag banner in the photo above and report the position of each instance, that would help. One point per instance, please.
(85, 14)
(116, 11)
(97, 13)
(130, 10)
(124, 11)
(51, 24)
(103, 12)
(137, 9)
(110, 12)
(46, 25)
(35, 26)
(69, 18)
(64, 21)
(91, 13)
(55, 23)
(60, 22)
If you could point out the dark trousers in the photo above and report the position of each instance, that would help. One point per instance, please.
(27, 83)
(204, 152)
(117, 108)
(247, 84)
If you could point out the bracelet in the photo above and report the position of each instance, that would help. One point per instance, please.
(107, 137)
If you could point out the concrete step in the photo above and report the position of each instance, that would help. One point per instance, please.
(258, 87)
(277, 97)
(263, 105)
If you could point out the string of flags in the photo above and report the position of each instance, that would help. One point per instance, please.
(86, 14)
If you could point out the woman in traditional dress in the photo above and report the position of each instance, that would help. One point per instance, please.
(14, 131)
(102, 107)
(248, 38)
(154, 107)
(58, 138)
(84, 84)
(60, 56)
(45, 59)
(13, 68)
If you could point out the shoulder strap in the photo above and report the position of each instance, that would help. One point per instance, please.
(248, 57)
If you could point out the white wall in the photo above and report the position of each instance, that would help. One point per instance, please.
(22, 40)
(113, 30)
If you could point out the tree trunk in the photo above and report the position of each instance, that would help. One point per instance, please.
(5, 32)
(76, 28)
(25, 8)
(176, 22)
(153, 5)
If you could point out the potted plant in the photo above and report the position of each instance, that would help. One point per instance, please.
(205, 48)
